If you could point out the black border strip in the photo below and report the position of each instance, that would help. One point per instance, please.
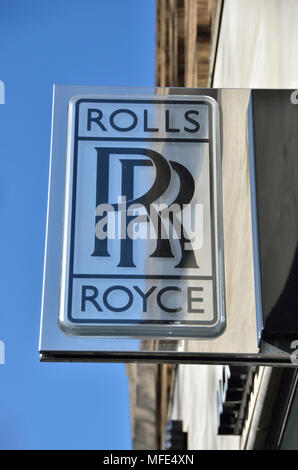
(141, 139)
(167, 358)
(139, 276)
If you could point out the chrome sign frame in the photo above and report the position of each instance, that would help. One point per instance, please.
(64, 332)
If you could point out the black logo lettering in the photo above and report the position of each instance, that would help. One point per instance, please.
(164, 170)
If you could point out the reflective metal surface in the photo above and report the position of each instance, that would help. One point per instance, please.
(244, 297)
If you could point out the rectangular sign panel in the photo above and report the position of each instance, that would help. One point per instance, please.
(142, 242)
(140, 180)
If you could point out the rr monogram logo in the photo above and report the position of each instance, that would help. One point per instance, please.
(164, 171)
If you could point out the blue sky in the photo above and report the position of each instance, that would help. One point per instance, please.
(90, 42)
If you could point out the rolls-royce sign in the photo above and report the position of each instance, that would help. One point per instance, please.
(142, 235)
(139, 249)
